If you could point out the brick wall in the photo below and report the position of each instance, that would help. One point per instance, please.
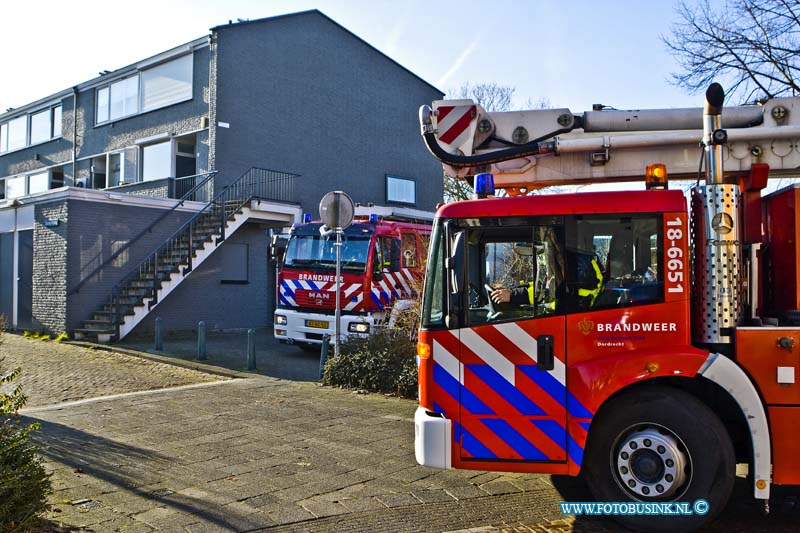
(50, 267)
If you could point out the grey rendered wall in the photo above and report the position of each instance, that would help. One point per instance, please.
(94, 140)
(303, 95)
(93, 228)
(54, 152)
(202, 295)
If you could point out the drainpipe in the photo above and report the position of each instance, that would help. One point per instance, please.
(212, 103)
(74, 136)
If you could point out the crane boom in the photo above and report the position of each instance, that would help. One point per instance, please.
(543, 147)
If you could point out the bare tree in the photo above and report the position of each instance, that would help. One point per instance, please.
(751, 46)
(490, 96)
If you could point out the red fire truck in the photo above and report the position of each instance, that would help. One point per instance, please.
(648, 346)
(382, 255)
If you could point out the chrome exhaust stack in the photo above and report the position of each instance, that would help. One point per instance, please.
(718, 249)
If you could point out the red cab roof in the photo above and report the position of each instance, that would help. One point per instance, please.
(655, 201)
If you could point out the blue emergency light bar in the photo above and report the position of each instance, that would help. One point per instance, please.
(373, 218)
(306, 218)
(484, 185)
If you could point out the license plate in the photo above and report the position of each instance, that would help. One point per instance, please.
(316, 324)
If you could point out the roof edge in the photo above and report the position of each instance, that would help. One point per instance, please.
(329, 19)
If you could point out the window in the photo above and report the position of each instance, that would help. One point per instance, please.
(15, 187)
(433, 303)
(33, 128)
(124, 98)
(622, 252)
(157, 161)
(56, 122)
(38, 182)
(122, 259)
(526, 259)
(101, 114)
(387, 254)
(409, 250)
(40, 126)
(401, 190)
(152, 88)
(167, 83)
(18, 133)
(308, 249)
(42, 181)
(234, 263)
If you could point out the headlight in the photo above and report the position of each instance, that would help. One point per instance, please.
(280, 320)
(358, 327)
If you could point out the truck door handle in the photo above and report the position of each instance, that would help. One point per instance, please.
(545, 356)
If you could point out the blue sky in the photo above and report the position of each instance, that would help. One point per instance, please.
(572, 53)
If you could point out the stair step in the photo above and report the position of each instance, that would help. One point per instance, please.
(109, 309)
(109, 315)
(136, 291)
(132, 301)
(99, 324)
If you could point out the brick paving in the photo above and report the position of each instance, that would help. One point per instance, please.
(269, 454)
(56, 372)
(264, 453)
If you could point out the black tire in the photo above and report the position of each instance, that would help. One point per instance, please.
(309, 347)
(702, 443)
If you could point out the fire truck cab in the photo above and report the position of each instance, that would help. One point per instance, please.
(649, 346)
(382, 257)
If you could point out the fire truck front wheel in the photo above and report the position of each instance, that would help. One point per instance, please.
(660, 444)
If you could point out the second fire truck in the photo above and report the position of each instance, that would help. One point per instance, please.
(382, 258)
(649, 346)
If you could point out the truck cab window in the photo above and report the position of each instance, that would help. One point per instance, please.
(409, 241)
(524, 263)
(613, 261)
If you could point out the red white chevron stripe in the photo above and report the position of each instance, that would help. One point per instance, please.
(453, 123)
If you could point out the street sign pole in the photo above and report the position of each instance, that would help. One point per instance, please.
(338, 290)
(336, 211)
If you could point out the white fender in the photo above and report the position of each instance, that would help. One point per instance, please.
(730, 377)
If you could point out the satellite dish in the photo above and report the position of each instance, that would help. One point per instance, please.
(336, 210)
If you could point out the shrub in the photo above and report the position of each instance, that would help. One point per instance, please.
(386, 360)
(24, 484)
(383, 362)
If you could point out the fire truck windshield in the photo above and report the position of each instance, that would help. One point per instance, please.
(308, 249)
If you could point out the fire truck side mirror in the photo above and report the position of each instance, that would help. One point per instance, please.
(277, 248)
(454, 265)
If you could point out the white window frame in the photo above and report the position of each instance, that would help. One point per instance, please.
(400, 178)
(139, 95)
(53, 134)
(27, 183)
(48, 113)
(173, 147)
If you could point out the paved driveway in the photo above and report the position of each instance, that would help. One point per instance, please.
(260, 452)
(55, 372)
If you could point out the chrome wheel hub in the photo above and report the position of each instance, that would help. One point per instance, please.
(651, 464)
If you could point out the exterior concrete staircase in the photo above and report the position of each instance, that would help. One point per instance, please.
(140, 291)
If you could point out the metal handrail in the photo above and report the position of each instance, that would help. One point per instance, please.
(209, 221)
(148, 229)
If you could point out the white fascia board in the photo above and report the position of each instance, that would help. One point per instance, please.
(47, 101)
(166, 55)
(108, 197)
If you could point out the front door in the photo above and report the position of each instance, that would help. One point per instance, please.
(512, 360)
